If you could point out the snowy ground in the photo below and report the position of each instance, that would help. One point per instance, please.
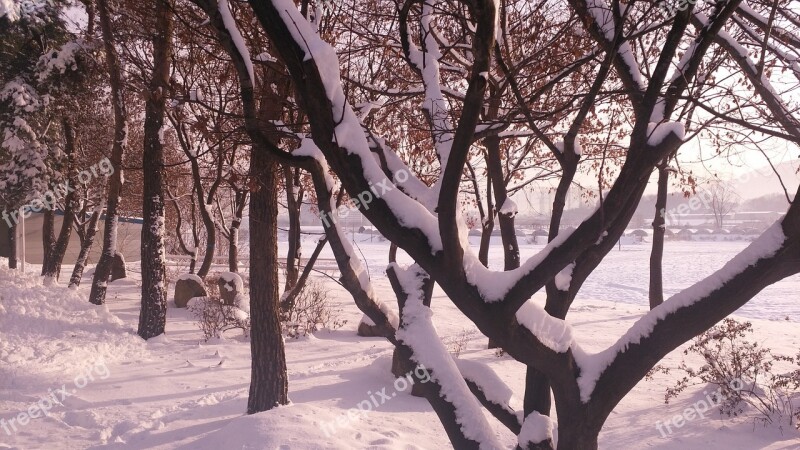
(179, 392)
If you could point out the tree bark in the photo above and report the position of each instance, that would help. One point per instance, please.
(153, 315)
(288, 296)
(293, 207)
(537, 386)
(657, 252)
(48, 236)
(12, 245)
(102, 272)
(269, 384)
(86, 246)
(508, 231)
(52, 267)
(487, 227)
(205, 216)
(236, 224)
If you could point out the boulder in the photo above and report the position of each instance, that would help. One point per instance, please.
(118, 270)
(231, 288)
(188, 287)
(367, 328)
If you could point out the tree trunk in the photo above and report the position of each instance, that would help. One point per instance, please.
(86, 247)
(293, 207)
(233, 246)
(48, 236)
(508, 231)
(287, 300)
(12, 245)
(505, 220)
(574, 433)
(486, 216)
(269, 384)
(97, 295)
(153, 315)
(208, 221)
(52, 267)
(657, 252)
(236, 224)
(537, 386)
(487, 227)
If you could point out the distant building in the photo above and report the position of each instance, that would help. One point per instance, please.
(128, 240)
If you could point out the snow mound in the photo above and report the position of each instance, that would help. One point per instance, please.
(536, 428)
(54, 331)
(303, 426)
(191, 276)
(234, 279)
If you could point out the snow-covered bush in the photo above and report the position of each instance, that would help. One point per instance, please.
(214, 317)
(457, 344)
(310, 311)
(746, 373)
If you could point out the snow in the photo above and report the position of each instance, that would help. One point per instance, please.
(418, 332)
(9, 9)
(191, 276)
(59, 61)
(577, 147)
(233, 278)
(161, 133)
(593, 365)
(236, 35)
(310, 149)
(509, 208)
(536, 428)
(349, 133)
(657, 132)
(366, 320)
(177, 395)
(365, 108)
(494, 284)
(552, 332)
(49, 332)
(493, 388)
(265, 57)
(603, 16)
(564, 278)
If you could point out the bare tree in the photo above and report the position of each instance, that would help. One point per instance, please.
(116, 81)
(424, 218)
(722, 200)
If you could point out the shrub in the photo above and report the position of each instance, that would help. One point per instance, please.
(214, 317)
(457, 344)
(310, 311)
(745, 373)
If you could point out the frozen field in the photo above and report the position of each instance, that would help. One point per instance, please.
(623, 276)
(181, 393)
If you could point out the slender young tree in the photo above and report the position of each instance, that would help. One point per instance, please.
(102, 272)
(656, 291)
(51, 269)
